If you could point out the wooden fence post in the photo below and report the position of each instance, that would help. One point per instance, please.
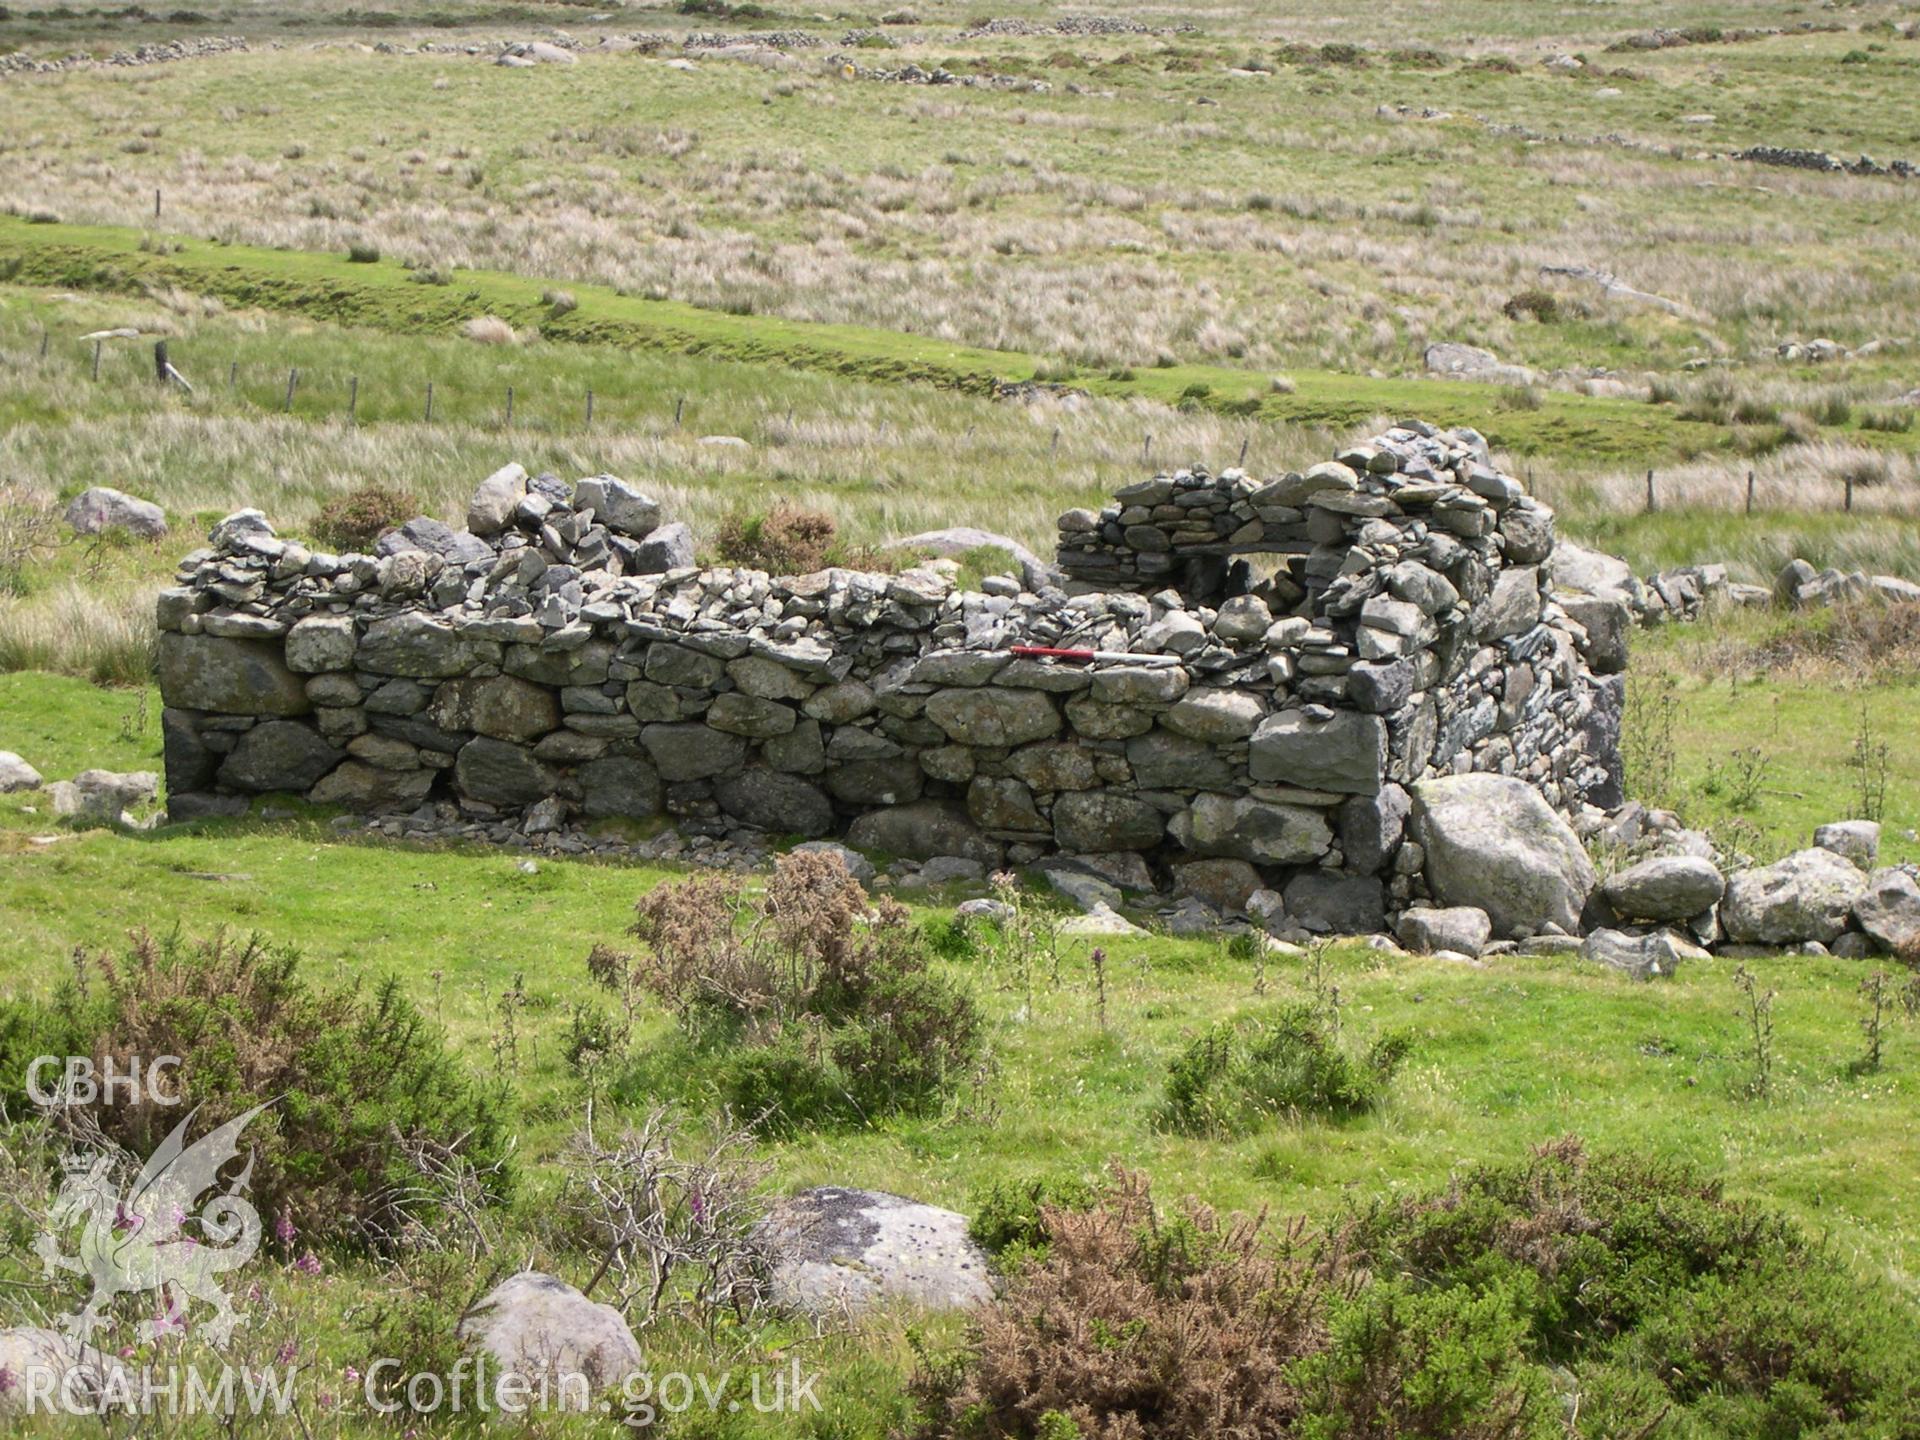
(429, 402)
(233, 373)
(1146, 448)
(678, 405)
(353, 400)
(45, 335)
(96, 359)
(1749, 492)
(1245, 440)
(509, 407)
(160, 364)
(1849, 493)
(156, 202)
(589, 408)
(293, 378)
(1652, 503)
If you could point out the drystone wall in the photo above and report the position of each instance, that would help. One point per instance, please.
(561, 662)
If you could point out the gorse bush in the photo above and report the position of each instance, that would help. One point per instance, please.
(352, 1078)
(1624, 1290)
(355, 520)
(1234, 1078)
(820, 1006)
(1010, 1219)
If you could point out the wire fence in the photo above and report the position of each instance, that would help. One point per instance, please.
(325, 394)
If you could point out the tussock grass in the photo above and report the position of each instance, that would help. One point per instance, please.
(100, 631)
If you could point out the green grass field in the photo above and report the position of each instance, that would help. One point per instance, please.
(1505, 1055)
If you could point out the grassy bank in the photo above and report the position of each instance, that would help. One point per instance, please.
(386, 296)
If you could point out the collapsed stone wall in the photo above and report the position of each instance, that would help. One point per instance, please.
(562, 662)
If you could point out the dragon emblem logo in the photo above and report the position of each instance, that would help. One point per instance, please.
(150, 1236)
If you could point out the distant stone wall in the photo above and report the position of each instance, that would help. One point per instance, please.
(562, 662)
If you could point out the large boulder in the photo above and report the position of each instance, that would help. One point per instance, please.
(668, 548)
(498, 773)
(1330, 903)
(1857, 840)
(1608, 621)
(775, 801)
(991, 716)
(491, 509)
(1493, 843)
(320, 643)
(1807, 896)
(1092, 821)
(499, 706)
(99, 509)
(16, 774)
(833, 1251)
(618, 506)
(1462, 929)
(1215, 715)
(1259, 831)
(1162, 760)
(231, 677)
(1889, 911)
(1225, 884)
(1666, 887)
(892, 781)
(1642, 957)
(958, 540)
(366, 789)
(1316, 749)
(537, 1328)
(1514, 605)
(692, 751)
(416, 645)
(279, 755)
(619, 785)
(1591, 572)
(102, 797)
(1371, 826)
(750, 715)
(921, 831)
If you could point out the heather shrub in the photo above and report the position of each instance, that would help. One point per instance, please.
(355, 1080)
(1235, 1077)
(355, 520)
(816, 1005)
(1661, 1294)
(787, 540)
(1139, 1324)
(1626, 1290)
(1533, 303)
